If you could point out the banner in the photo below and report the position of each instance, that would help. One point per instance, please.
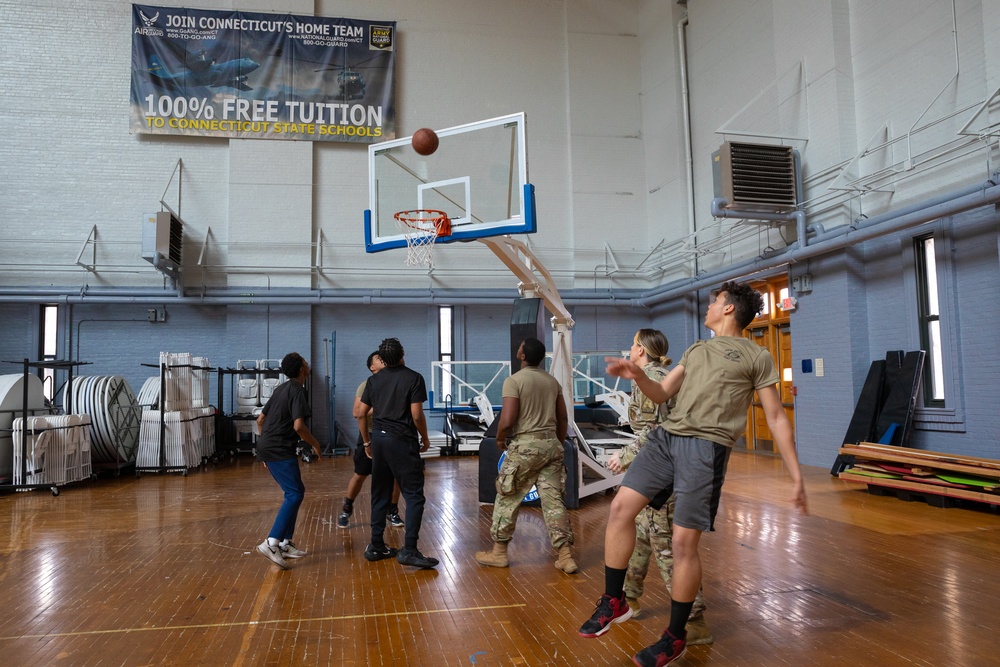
(251, 75)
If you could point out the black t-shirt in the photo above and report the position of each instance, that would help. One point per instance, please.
(279, 440)
(390, 393)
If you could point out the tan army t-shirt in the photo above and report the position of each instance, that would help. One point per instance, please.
(536, 392)
(720, 377)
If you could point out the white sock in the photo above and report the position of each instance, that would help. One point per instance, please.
(272, 541)
(284, 543)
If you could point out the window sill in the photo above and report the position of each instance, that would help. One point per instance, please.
(939, 419)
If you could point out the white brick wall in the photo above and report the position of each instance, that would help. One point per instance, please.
(598, 81)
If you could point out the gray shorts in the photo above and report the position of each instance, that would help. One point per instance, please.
(691, 469)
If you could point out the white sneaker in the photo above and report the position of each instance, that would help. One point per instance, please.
(289, 550)
(273, 554)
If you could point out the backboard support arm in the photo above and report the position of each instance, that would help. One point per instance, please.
(536, 281)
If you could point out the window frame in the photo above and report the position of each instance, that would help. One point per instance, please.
(926, 317)
(48, 374)
(951, 416)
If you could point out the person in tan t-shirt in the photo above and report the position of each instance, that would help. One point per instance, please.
(714, 383)
(532, 428)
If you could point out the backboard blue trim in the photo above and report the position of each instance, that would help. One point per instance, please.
(529, 226)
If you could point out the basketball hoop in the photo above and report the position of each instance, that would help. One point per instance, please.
(421, 228)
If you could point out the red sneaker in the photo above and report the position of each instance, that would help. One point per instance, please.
(663, 652)
(609, 610)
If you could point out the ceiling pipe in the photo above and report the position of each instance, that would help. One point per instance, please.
(823, 242)
(822, 235)
(865, 230)
(606, 299)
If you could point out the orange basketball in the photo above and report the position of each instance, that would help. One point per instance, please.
(425, 141)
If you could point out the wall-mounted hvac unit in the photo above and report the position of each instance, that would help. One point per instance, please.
(162, 239)
(755, 177)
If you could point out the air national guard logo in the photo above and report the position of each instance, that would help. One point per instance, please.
(380, 38)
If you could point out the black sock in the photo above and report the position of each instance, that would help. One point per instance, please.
(393, 509)
(348, 502)
(614, 582)
(679, 612)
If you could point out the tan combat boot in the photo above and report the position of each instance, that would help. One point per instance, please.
(633, 604)
(698, 632)
(495, 558)
(565, 561)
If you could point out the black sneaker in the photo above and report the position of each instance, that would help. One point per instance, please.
(394, 520)
(374, 553)
(416, 559)
(663, 652)
(609, 610)
(344, 520)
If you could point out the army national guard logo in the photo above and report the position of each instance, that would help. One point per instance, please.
(380, 38)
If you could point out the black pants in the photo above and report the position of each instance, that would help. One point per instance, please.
(395, 460)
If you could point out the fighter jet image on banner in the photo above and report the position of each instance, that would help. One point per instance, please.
(200, 69)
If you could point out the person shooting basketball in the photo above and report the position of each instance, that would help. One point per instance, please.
(713, 383)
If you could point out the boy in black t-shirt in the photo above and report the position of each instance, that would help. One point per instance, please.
(282, 424)
(399, 434)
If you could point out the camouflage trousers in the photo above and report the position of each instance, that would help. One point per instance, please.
(537, 462)
(654, 537)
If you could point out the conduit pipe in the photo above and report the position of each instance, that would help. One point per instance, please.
(798, 217)
(682, 59)
(686, 115)
(865, 230)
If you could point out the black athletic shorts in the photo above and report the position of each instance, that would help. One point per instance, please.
(362, 464)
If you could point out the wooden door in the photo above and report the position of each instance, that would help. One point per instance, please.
(772, 331)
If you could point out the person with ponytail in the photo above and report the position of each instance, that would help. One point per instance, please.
(653, 527)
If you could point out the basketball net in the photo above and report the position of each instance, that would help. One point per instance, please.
(421, 228)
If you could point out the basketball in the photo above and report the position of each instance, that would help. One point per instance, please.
(424, 141)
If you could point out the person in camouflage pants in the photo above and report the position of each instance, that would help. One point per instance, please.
(532, 461)
(653, 528)
(532, 427)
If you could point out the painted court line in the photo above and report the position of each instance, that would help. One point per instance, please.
(429, 612)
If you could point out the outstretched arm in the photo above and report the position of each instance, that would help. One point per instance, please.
(784, 438)
(658, 392)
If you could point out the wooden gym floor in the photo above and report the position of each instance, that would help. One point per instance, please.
(161, 571)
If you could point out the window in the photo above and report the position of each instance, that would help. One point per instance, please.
(929, 318)
(49, 338)
(446, 347)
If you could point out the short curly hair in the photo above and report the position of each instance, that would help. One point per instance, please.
(291, 364)
(390, 351)
(747, 301)
(534, 351)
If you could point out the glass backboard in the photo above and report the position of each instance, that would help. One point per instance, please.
(478, 176)
(458, 383)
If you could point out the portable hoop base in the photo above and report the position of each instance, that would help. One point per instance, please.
(421, 228)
